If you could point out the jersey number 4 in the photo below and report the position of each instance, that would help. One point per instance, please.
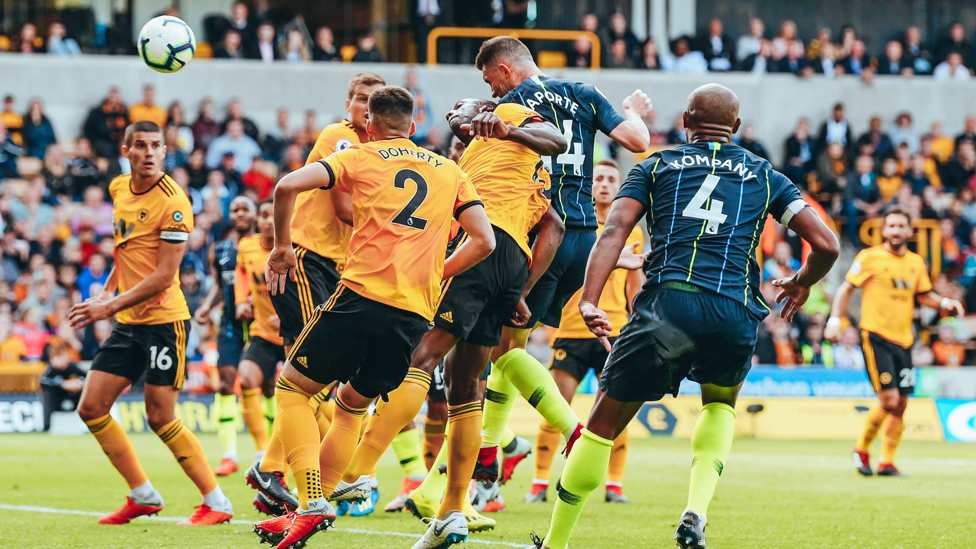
(713, 214)
(406, 217)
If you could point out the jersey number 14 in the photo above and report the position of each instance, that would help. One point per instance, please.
(713, 213)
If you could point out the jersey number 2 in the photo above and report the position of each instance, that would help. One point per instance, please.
(713, 215)
(406, 217)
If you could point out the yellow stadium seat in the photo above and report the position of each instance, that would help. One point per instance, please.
(347, 53)
(204, 51)
(4, 43)
(552, 59)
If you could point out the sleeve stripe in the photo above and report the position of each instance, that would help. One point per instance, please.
(794, 208)
(332, 177)
(465, 206)
(174, 236)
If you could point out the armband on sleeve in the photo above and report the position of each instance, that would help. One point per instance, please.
(794, 208)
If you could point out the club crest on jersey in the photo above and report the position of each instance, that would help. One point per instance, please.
(143, 215)
(343, 144)
(177, 216)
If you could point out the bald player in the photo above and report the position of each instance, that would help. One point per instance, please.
(698, 314)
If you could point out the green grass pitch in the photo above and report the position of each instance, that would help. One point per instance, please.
(773, 494)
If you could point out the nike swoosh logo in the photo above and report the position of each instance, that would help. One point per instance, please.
(263, 483)
(439, 531)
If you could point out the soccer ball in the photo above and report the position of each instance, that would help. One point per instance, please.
(166, 44)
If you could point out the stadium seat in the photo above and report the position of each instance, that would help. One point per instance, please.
(22, 377)
(204, 51)
(4, 43)
(552, 59)
(347, 53)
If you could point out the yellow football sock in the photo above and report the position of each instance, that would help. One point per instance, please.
(385, 425)
(189, 454)
(323, 415)
(618, 458)
(298, 432)
(433, 440)
(274, 456)
(254, 417)
(117, 446)
(463, 442)
(546, 444)
(872, 425)
(339, 444)
(893, 428)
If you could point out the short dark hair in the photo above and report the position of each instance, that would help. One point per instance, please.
(266, 201)
(897, 209)
(141, 126)
(364, 79)
(391, 106)
(609, 162)
(501, 49)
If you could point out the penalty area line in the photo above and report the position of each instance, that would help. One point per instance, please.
(34, 509)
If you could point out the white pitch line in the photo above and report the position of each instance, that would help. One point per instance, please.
(33, 509)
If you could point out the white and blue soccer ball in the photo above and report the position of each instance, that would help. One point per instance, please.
(166, 43)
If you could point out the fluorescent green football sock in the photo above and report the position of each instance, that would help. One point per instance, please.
(406, 446)
(710, 443)
(499, 399)
(536, 385)
(584, 472)
(507, 437)
(227, 423)
(270, 411)
(435, 484)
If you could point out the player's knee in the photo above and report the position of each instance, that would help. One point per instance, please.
(89, 411)
(889, 404)
(158, 420)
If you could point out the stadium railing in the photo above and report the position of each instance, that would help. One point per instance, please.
(532, 34)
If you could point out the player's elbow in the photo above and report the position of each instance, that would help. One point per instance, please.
(827, 244)
(557, 145)
(486, 244)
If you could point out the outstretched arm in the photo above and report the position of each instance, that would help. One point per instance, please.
(541, 137)
(624, 215)
(935, 301)
(475, 223)
(632, 132)
(550, 236)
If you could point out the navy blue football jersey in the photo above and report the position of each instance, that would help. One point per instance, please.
(579, 111)
(706, 204)
(224, 260)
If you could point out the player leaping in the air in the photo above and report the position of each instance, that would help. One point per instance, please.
(699, 311)
(404, 199)
(578, 111)
(153, 220)
(891, 277)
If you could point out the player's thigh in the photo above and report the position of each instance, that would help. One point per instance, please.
(335, 341)
(262, 356)
(123, 354)
(465, 297)
(725, 341)
(101, 391)
(391, 341)
(465, 365)
(881, 361)
(570, 357)
(230, 343)
(609, 417)
(429, 354)
(569, 273)
(504, 276)
(904, 370)
(316, 280)
(654, 350)
(165, 348)
(250, 374)
(512, 338)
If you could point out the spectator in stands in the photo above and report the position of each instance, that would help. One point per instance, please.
(83, 169)
(826, 61)
(58, 43)
(916, 53)
(235, 111)
(961, 167)
(29, 41)
(265, 48)
(38, 132)
(294, 158)
(875, 142)
(175, 157)
(243, 148)
(366, 51)
(277, 139)
(8, 154)
(175, 118)
(295, 47)
(955, 41)
(31, 332)
(784, 344)
(863, 196)
(717, 48)
(106, 124)
(947, 350)
(148, 109)
(894, 61)
(915, 176)
(425, 17)
(216, 195)
(232, 176)
(847, 38)
(952, 68)
(903, 132)
(96, 273)
(205, 128)
(847, 353)
(748, 44)
(580, 55)
(231, 47)
(857, 60)
(782, 264)
(889, 181)
(760, 62)
(619, 58)
(13, 121)
(196, 169)
(677, 135)
(41, 298)
(61, 382)
(800, 154)
(423, 111)
(795, 61)
(46, 245)
(969, 131)
(245, 26)
(183, 180)
(684, 60)
(32, 212)
(55, 172)
(649, 59)
(325, 49)
(749, 142)
(835, 130)
(620, 30)
(94, 212)
(781, 44)
(814, 351)
(590, 23)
